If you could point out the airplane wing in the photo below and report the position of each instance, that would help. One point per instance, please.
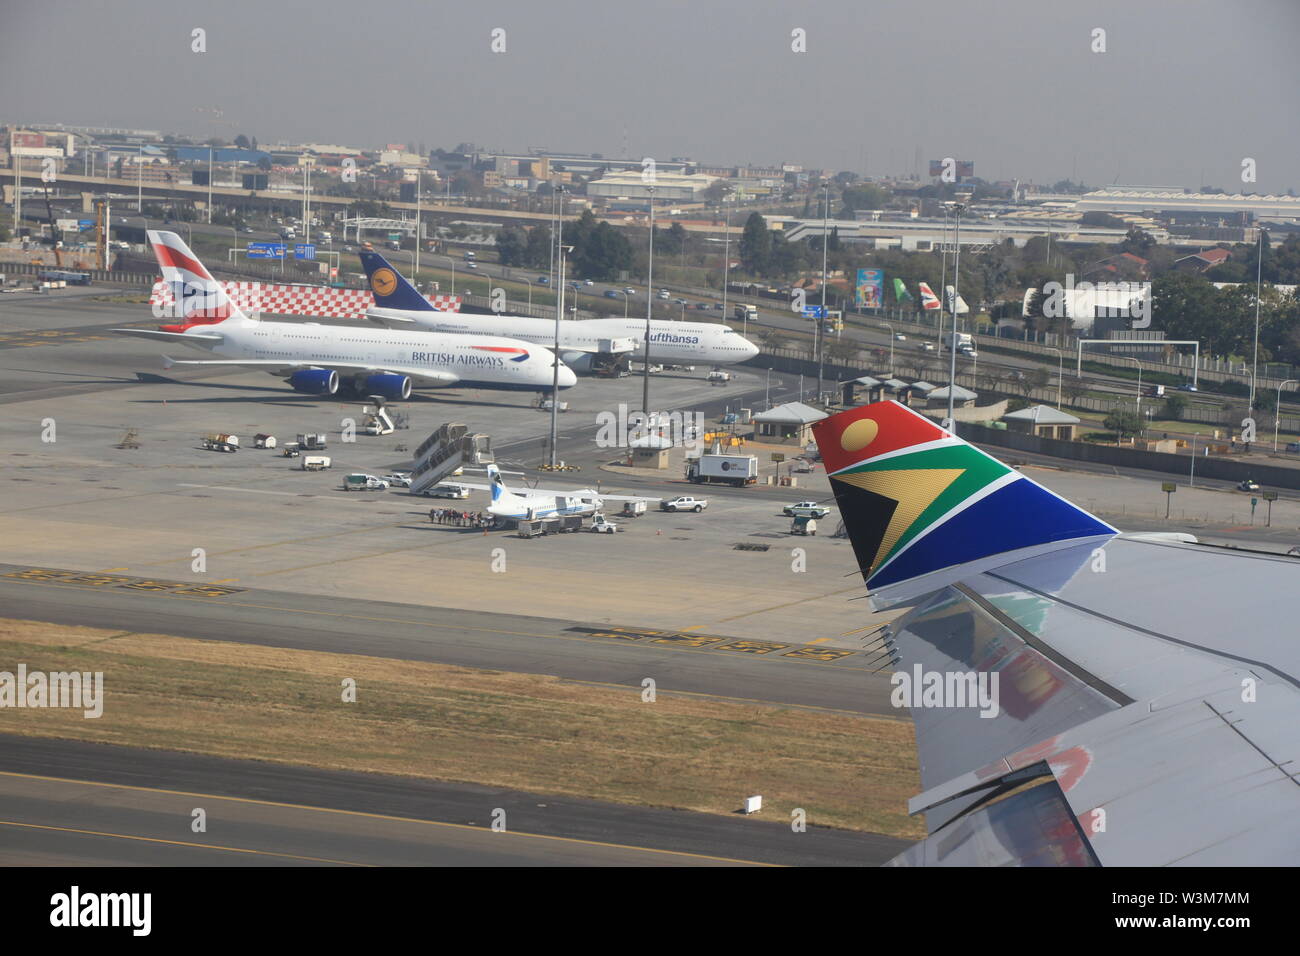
(158, 335)
(418, 376)
(1080, 696)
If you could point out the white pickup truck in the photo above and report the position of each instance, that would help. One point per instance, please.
(807, 509)
(683, 503)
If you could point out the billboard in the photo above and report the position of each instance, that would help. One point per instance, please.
(869, 290)
(961, 168)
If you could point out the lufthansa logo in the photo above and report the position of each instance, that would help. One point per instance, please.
(383, 282)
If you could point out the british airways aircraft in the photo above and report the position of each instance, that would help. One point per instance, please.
(322, 359)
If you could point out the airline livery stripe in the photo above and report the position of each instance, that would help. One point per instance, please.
(167, 256)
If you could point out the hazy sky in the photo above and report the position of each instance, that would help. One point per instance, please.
(1185, 90)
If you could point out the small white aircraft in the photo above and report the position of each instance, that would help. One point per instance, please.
(538, 504)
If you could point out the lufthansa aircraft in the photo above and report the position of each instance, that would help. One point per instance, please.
(584, 344)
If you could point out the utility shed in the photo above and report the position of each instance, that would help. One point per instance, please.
(1042, 420)
(788, 424)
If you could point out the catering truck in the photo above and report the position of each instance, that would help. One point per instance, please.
(738, 470)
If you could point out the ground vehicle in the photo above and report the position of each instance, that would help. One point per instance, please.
(543, 280)
(964, 340)
(315, 440)
(326, 236)
(746, 312)
(719, 377)
(1187, 388)
(291, 449)
(701, 306)
(806, 508)
(471, 264)
(602, 525)
(220, 442)
(969, 351)
(363, 482)
(730, 418)
(263, 441)
(288, 233)
(738, 470)
(900, 337)
(448, 489)
(536, 527)
(398, 479)
(926, 346)
(662, 294)
(683, 503)
(1248, 485)
(546, 403)
(629, 291)
(1153, 391)
(803, 524)
(470, 255)
(314, 463)
(394, 244)
(64, 275)
(633, 508)
(588, 282)
(611, 294)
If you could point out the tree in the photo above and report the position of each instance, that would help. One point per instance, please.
(756, 245)
(773, 338)
(242, 142)
(1124, 423)
(264, 164)
(511, 244)
(1175, 406)
(866, 196)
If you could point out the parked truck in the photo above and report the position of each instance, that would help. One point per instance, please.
(747, 312)
(311, 442)
(220, 442)
(738, 470)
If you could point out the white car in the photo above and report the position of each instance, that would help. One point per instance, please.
(399, 479)
(927, 346)
(683, 503)
(663, 294)
(809, 509)
(900, 337)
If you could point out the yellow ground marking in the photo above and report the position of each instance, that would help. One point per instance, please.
(251, 801)
(200, 846)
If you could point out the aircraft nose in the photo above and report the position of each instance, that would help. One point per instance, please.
(751, 348)
(567, 378)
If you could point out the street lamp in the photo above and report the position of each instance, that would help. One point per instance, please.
(530, 294)
(649, 306)
(821, 319)
(1060, 372)
(626, 299)
(890, 329)
(1129, 358)
(1277, 409)
(726, 257)
(453, 273)
(958, 208)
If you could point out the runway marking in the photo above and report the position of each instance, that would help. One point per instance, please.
(819, 640)
(666, 637)
(200, 846)
(252, 801)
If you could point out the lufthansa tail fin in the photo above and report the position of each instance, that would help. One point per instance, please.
(390, 290)
(198, 298)
(924, 509)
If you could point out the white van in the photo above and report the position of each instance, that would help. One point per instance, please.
(315, 463)
(449, 489)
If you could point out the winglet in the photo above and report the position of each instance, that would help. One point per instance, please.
(923, 508)
(390, 289)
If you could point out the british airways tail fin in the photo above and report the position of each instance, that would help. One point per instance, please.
(390, 290)
(924, 508)
(929, 301)
(198, 298)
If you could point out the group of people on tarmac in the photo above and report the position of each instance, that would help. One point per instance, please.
(461, 519)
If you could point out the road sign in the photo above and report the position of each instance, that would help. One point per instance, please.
(814, 312)
(1168, 487)
(304, 250)
(266, 250)
(1269, 495)
(66, 225)
(778, 456)
(395, 236)
(85, 223)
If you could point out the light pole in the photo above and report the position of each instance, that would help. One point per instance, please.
(555, 350)
(453, 273)
(1259, 268)
(890, 329)
(530, 295)
(1060, 372)
(1191, 478)
(626, 298)
(1277, 409)
(419, 178)
(649, 306)
(139, 181)
(209, 184)
(821, 319)
(1129, 358)
(726, 257)
(943, 271)
(958, 209)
